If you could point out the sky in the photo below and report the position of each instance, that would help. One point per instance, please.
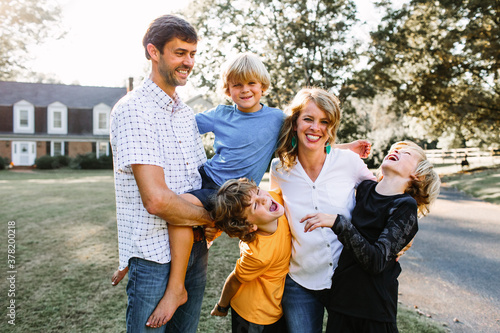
(103, 44)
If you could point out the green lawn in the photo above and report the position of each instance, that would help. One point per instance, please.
(66, 251)
(482, 183)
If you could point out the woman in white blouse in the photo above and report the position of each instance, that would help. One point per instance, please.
(314, 178)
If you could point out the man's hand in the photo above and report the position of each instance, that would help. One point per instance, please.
(212, 233)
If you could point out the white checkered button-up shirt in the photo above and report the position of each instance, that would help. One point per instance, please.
(149, 127)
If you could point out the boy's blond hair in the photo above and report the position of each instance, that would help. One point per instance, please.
(230, 203)
(424, 189)
(243, 68)
(324, 100)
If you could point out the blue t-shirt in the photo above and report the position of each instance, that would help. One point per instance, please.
(244, 142)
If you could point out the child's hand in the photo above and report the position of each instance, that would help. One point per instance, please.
(406, 248)
(216, 312)
(118, 276)
(313, 221)
(361, 147)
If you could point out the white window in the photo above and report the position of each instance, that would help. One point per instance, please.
(56, 148)
(24, 117)
(57, 118)
(102, 148)
(101, 119)
(57, 123)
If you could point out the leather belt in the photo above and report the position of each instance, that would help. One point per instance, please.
(198, 234)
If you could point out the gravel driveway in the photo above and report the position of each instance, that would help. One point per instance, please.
(452, 272)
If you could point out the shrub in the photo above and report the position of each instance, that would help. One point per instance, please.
(90, 161)
(62, 160)
(46, 162)
(106, 162)
(3, 163)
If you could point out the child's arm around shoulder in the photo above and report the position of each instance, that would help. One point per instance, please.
(400, 229)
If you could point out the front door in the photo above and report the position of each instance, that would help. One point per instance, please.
(23, 153)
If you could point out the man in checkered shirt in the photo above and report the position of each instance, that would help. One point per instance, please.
(157, 151)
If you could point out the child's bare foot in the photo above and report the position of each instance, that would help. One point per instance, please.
(118, 276)
(167, 307)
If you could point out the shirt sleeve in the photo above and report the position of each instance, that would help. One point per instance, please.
(205, 121)
(374, 258)
(363, 172)
(273, 178)
(248, 266)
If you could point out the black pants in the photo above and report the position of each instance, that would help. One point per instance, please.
(338, 322)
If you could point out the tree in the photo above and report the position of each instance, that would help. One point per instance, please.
(302, 43)
(440, 60)
(23, 23)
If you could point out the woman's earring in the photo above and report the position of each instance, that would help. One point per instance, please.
(328, 148)
(294, 142)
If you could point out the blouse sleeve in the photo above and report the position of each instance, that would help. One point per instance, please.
(374, 258)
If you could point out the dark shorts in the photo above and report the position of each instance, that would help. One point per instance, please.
(208, 190)
(240, 325)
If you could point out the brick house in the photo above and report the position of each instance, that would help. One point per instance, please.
(39, 119)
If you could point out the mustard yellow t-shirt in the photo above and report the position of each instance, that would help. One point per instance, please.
(262, 268)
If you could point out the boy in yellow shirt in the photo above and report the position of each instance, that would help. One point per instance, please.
(255, 287)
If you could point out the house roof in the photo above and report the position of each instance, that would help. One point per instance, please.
(42, 94)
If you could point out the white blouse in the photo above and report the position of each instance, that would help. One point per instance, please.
(315, 254)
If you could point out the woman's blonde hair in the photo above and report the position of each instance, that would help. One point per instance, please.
(230, 204)
(243, 68)
(425, 188)
(327, 102)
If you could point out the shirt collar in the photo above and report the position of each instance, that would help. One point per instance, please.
(163, 100)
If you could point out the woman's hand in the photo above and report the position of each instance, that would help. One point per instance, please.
(313, 221)
(361, 147)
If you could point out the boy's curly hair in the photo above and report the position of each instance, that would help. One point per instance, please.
(229, 213)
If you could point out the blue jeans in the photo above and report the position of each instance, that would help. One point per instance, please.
(146, 286)
(303, 308)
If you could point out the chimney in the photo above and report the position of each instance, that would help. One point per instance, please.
(130, 86)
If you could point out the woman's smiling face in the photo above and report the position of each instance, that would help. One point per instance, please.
(311, 128)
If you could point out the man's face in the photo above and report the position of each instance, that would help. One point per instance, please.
(176, 62)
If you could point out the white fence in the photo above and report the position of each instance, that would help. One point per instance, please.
(475, 157)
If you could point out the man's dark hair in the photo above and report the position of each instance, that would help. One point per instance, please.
(165, 28)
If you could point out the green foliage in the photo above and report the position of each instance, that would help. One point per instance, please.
(23, 23)
(90, 161)
(440, 60)
(302, 43)
(47, 162)
(4, 162)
